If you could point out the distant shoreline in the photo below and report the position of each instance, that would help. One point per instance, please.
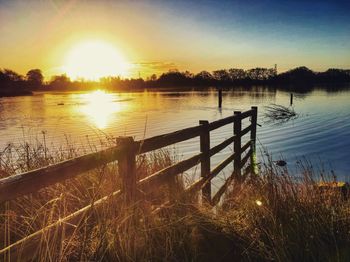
(15, 93)
(247, 87)
(300, 79)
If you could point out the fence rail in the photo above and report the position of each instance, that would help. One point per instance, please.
(125, 153)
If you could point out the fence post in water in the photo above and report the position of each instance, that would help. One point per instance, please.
(254, 121)
(127, 170)
(205, 161)
(291, 99)
(220, 97)
(237, 128)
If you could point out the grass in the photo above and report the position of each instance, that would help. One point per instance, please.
(268, 217)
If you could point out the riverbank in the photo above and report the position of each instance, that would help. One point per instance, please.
(14, 93)
(269, 217)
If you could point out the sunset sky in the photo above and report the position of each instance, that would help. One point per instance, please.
(155, 36)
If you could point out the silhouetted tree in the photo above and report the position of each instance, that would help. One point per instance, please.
(12, 83)
(260, 73)
(60, 82)
(237, 74)
(35, 78)
(153, 77)
(333, 75)
(204, 75)
(221, 75)
(10, 75)
(175, 78)
(299, 75)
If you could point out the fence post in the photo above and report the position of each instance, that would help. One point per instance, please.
(127, 173)
(219, 97)
(205, 161)
(237, 127)
(254, 120)
(127, 170)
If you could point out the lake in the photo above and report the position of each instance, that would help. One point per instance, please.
(320, 133)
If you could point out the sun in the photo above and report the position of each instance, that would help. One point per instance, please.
(92, 60)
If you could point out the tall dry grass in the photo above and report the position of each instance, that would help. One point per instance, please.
(269, 217)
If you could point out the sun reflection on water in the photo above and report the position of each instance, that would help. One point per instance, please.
(99, 107)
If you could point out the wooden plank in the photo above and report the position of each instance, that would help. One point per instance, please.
(246, 114)
(205, 159)
(237, 128)
(196, 186)
(222, 165)
(21, 184)
(219, 123)
(246, 157)
(26, 248)
(160, 141)
(246, 130)
(222, 190)
(162, 175)
(216, 149)
(246, 146)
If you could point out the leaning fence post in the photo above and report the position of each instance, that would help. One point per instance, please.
(253, 139)
(237, 127)
(127, 170)
(205, 161)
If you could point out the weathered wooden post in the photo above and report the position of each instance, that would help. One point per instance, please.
(220, 97)
(205, 161)
(291, 99)
(127, 170)
(237, 128)
(254, 120)
(127, 173)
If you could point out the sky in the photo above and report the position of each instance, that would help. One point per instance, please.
(156, 36)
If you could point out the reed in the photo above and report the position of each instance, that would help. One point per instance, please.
(271, 216)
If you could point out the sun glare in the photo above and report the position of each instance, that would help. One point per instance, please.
(92, 60)
(99, 106)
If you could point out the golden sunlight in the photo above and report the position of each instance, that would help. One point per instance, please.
(99, 107)
(258, 202)
(92, 60)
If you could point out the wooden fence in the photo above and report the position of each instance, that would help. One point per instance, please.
(125, 153)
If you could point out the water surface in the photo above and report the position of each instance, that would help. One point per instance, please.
(320, 133)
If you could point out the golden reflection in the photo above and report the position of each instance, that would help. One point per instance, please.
(99, 106)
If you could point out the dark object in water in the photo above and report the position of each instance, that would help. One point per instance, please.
(60, 104)
(281, 163)
(279, 114)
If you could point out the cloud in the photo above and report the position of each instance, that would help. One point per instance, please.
(157, 66)
(147, 68)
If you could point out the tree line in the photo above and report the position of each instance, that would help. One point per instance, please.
(12, 82)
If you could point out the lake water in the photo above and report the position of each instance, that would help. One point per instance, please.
(321, 133)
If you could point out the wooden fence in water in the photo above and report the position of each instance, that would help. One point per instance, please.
(125, 153)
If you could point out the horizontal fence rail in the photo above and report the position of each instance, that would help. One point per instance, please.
(125, 153)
